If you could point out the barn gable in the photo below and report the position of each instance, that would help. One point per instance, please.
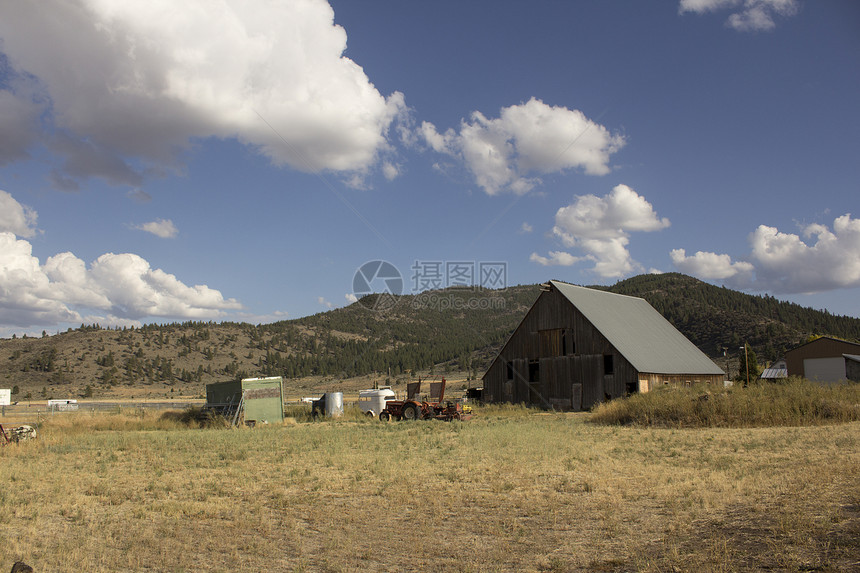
(578, 346)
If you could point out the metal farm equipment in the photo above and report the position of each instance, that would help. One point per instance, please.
(431, 409)
(15, 435)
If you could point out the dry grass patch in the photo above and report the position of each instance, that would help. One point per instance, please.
(509, 491)
(795, 402)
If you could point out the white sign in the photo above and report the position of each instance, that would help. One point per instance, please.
(5, 396)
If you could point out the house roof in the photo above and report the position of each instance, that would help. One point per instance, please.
(641, 334)
(822, 339)
(771, 373)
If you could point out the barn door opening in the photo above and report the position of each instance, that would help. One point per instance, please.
(534, 382)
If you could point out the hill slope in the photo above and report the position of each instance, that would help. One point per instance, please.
(454, 330)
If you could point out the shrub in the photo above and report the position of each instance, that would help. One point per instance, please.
(795, 402)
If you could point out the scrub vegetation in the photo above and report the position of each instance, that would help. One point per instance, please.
(793, 402)
(512, 490)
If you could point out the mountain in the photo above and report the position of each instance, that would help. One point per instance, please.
(716, 318)
(455, 331)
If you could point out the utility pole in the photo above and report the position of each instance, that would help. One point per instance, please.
(747, 362)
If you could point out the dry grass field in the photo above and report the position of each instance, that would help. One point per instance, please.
(511, 490)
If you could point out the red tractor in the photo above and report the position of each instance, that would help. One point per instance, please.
(431, 409)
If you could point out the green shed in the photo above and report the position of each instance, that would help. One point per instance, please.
(262, 399)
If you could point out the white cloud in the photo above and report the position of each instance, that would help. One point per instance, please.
(747, 15)
(26, 294)
(785, 263)
(556, 258)
(601, 226)
(151, 77)
(163, 228)
(350, 298)
(122, 285)
(709, 266)
(139, 196)
(321, 300)
(508, 154)
(390, 171)
(16, 218)
(526, 228)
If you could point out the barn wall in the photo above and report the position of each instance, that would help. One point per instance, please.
(819, 348)
(567, 352)
(650, 381)
(852, 370)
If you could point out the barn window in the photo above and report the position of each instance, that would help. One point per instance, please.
(568, 345)
(510, 373)
(608, 364)
(534, 371)
(550, 343)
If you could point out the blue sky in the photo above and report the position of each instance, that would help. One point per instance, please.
(215, 160)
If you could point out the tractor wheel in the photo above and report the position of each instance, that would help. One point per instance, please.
(384, 416)
(410, 412)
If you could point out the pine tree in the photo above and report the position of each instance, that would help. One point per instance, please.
(748, 359)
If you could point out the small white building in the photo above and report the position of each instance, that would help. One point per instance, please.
(62, 405)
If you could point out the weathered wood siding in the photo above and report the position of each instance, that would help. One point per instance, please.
(569, 356)
(650, 381)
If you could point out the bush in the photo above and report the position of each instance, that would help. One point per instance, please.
(795, 402)
(195, 416)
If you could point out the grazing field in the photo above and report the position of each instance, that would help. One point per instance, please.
(512, 490)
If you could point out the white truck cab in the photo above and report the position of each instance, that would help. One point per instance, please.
(372, 402)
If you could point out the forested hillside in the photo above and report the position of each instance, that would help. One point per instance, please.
(716, 317)
(450, 331)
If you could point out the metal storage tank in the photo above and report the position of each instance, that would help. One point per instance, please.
(334, 404)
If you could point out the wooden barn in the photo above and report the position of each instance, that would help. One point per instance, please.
(578, 346)
(825, 359)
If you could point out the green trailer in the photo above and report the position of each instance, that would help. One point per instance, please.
(257, 400)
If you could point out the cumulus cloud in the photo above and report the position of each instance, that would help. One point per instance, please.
(747, 15)
(350, 298)
(509, 153)
(786, 263)
(26, 297)
(321, 300)
(600, 227)
(559, 258)
(151, 77)
(711, 266)
(526, 228)
(16, 218)
(163, 228)
(123, 285)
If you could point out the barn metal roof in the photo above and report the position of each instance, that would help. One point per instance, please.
(774, 373)
(641, 334)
